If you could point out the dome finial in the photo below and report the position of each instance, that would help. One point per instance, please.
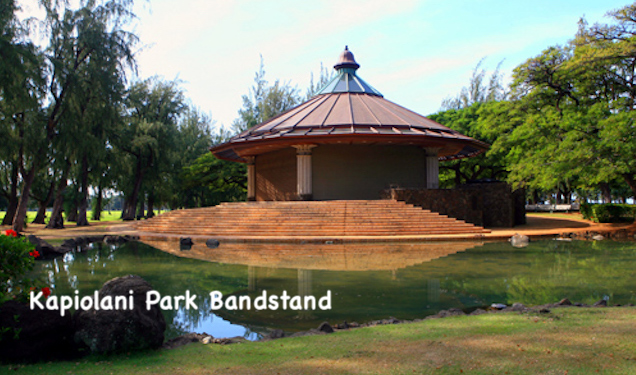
(346, 60)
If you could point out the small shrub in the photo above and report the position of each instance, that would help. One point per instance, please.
(17, 257)
(608, 212)
(586, 211)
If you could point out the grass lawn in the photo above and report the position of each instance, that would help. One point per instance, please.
(106, 216)
(567, 340)
(558, 215)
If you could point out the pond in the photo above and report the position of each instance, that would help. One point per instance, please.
(367, 281)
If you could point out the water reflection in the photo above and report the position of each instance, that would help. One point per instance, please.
(367, 281)
(270, 267)
(333, 257)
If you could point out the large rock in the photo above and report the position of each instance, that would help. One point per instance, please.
(46, 250)
(35, 335)
(108, 331)
(325, 327)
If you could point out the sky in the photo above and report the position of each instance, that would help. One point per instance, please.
(416, 53)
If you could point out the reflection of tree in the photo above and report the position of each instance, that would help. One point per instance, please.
(546, 272)
(580, 276)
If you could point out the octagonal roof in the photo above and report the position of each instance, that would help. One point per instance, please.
(348, 111)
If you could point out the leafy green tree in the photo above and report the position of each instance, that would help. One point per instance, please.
(94, 31)
(605, 63)
(42, 192)
(579, 100)
(209, 181)
(148, 138)
(463, 113)
(489, 165)
(194, 139)
(21, 87)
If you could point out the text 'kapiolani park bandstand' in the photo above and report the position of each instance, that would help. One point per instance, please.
(350, 143)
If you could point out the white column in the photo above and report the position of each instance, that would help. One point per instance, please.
(251, 178)
(432, 168)
(304, 173)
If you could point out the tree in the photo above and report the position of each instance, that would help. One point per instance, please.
(209, 181)
(21, 87)
(463, 113)
(468, 121)
(324, 77)
(194, 139)
(580, 99)
(477, 90)
(264, 101)
(76, 37)
(149, 136)
(605, 62)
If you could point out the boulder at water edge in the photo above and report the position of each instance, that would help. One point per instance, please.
(108, 331)
(34, 335)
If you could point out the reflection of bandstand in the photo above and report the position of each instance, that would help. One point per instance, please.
(349, 270)
(333, 257)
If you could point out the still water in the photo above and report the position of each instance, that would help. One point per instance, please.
(367, 281)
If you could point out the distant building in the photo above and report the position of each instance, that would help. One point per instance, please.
(346, 143)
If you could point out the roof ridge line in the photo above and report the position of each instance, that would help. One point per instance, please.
(350, 110)
(312, 110)
(282, 115)
(394, 114)
(446, 128)
(371, 112)
(330, 109)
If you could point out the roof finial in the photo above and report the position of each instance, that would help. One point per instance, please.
(346, 60)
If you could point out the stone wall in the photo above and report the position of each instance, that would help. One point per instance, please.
(490, 205)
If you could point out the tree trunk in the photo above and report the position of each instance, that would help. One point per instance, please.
(631, 182)
(535, 197)
(71, 215)
(82, 221)
(140, 212)
(40, 218)
(97, 212)
(458, 176)
(57, 220)
(21, 213)
(151, 205)
(130, 203)
(10, 213)
(13, 198)
(606, 192)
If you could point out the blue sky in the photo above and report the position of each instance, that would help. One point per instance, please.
(416, 53)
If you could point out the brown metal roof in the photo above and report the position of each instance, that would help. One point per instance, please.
(349, 116)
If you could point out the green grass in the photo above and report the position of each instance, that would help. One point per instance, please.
(576, 341)
(558, 215)
(106, 216)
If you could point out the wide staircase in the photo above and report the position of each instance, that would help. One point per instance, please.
(308, 218)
